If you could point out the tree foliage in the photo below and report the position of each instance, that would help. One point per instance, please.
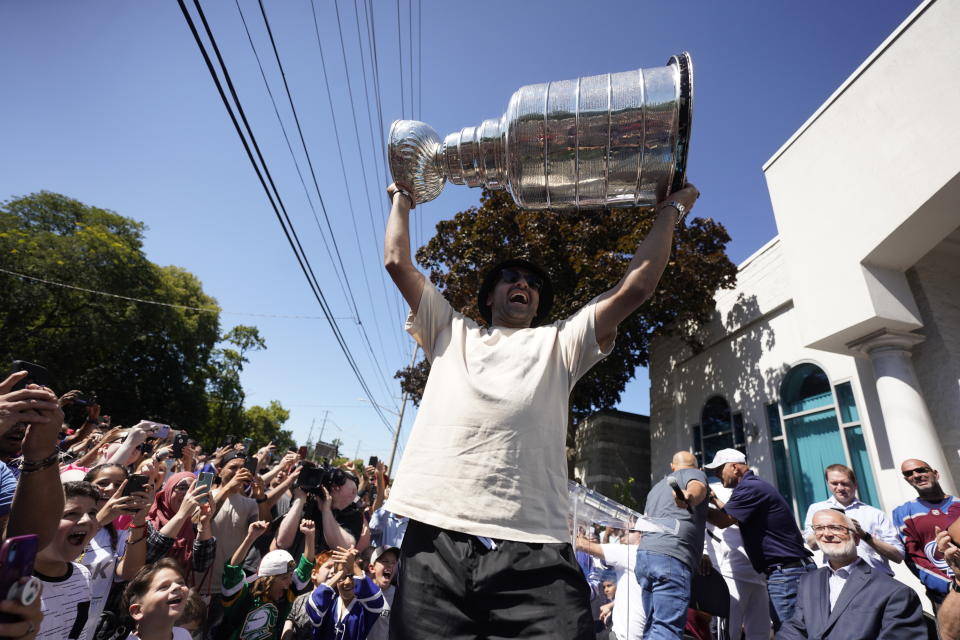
(586, 253)
(141, 360)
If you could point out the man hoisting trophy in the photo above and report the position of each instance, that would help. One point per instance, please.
(483, 479)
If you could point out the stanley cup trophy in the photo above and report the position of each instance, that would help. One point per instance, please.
(613, 140)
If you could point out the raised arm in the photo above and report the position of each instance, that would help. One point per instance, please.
(640, 281)
(38, 499)
(396, 249)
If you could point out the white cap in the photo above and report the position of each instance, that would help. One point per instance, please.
(725, 456)
(379, 551)
(275, 563)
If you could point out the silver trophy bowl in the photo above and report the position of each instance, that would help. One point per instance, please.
(613, 140)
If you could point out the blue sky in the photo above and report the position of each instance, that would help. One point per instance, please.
(110, 102)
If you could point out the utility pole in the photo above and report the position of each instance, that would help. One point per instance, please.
(310, 435)
(323, 426)
(403, 406)
(357, 452)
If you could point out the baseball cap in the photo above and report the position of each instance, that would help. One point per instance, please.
(725, 456)
(275, 563)
(379, 551)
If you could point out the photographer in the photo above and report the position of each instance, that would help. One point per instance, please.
(328, 497)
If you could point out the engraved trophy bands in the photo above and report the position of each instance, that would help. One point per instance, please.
(613, 140)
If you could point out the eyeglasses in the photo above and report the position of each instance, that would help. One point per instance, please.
(910, 472)
(511, 276)
(831, 528)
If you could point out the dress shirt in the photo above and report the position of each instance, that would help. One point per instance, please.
(871, 520)
(838, 578)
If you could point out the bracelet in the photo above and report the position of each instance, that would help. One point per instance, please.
(30, 466)
(260, 500)
(867, 537)
(413, 203)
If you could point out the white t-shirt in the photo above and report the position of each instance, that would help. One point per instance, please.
(229, 527)
(486, 455)
(179, 633)
(65, 603)
(101, 561)
(381, 628)
(628, 616)
(728, 554)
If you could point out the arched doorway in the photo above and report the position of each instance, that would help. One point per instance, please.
(817, 438)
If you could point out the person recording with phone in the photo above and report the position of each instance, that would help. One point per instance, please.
(37, 500)
(170, 525)
(232, 514)
(119, 548)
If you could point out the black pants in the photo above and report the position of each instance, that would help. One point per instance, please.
(451, 587)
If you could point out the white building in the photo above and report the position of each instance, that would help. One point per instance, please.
(841, 342)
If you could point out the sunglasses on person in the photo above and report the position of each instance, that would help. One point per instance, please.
(910, 472)
(510, 276)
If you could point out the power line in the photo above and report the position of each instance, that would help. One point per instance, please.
(344, 281)
(276, 204)
(313, 173)
(185, 307)
(356, 132)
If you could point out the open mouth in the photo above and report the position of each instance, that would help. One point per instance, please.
(387, 573)
(77, 537)
(175, 600)
(518, 297)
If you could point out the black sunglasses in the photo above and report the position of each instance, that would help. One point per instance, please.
(910, 472)
(511, 276)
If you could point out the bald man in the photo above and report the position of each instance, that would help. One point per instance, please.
(666, 562)
(917, 522)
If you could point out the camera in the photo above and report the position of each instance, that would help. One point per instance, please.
(312, 477)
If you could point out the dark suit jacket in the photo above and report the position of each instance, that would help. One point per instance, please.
(871, 606)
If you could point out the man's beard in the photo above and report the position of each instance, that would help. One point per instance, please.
(839, 551)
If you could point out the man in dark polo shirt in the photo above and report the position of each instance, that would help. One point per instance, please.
(771, 537)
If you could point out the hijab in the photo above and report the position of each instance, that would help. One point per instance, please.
(162, 512)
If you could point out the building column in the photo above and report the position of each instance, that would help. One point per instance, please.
(910, 429)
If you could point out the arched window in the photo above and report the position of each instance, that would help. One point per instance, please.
(821, 426)
(718, 429)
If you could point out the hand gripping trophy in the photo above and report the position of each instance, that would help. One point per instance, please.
(613, 140)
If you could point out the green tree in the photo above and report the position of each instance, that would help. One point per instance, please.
(225, 392)
(140, 360)
(586, 253)
(263, 424)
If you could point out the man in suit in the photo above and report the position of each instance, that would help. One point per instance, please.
(848, 598)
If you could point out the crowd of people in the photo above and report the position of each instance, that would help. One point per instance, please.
(738, 553)
(136, 532)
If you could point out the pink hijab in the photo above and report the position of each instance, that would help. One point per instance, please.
(162, 511)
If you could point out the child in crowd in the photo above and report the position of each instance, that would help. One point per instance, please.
(258, 610)
(112, 554)
(66, 584)
(155, 599)
(299, 626)
(348, 604)
(382, 569)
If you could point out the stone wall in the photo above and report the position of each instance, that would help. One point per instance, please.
(613, 446)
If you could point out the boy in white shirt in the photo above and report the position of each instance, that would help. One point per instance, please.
(65, 602)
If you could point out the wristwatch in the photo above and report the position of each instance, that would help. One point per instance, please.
(680, 207)
(866, 537)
